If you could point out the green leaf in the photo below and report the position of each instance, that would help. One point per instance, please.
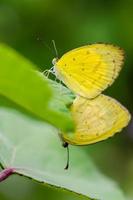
(24, 85)
(34, 149)
(58, 108)
(61, 93)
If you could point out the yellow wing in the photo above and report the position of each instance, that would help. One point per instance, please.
(90, 69)
(96, 119)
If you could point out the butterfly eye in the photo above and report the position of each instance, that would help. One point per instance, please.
(54, 61)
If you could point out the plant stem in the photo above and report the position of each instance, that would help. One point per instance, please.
(4, 174)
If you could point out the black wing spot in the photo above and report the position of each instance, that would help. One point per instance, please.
(82, 136)
(87, 52)
(80, 112)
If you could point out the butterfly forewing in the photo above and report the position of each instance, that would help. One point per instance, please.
(90, 69)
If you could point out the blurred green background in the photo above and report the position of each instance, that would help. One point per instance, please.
(29, 26)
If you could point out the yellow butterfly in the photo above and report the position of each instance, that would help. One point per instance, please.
(87, 71)
(96, 119)
(90, 69)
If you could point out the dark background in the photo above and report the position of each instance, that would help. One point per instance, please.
(29, 26)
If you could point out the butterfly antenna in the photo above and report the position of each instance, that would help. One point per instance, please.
(65, 145)
(55, 49)
(45, 44)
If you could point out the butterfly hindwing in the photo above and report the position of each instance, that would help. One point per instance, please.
(96, 119)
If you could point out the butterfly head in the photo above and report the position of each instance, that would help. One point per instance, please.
(54, 61)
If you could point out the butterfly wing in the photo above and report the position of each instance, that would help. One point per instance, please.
(96, 119)
(90, 69)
